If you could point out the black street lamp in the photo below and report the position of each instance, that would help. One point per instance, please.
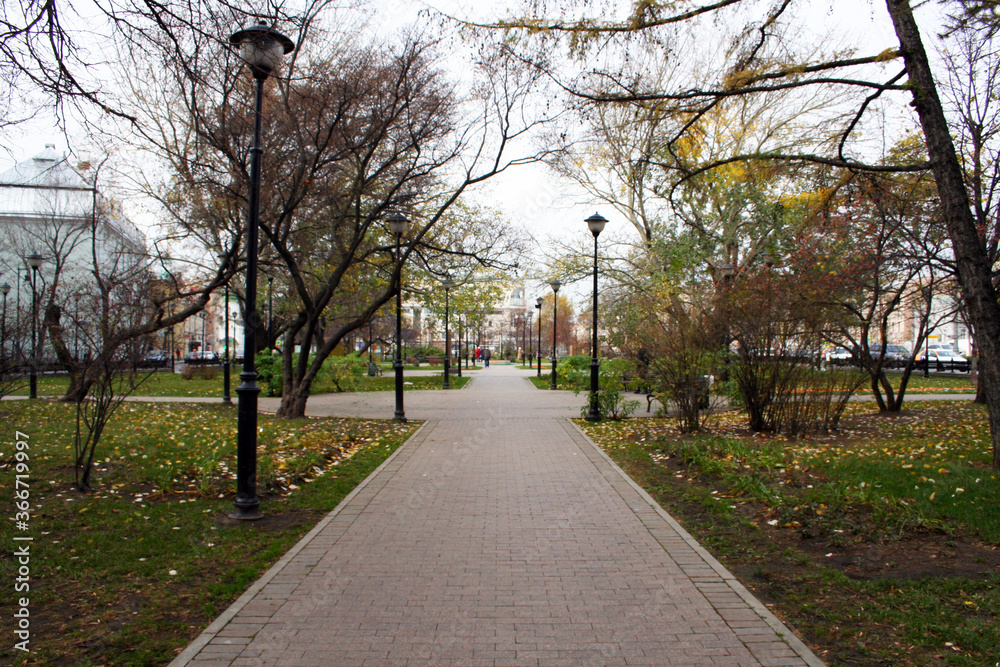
(397, 225)
(929, 298)
(448, 283)
(204, 336)
(555, 309)
(529, 355)
(261, 48)
(5, 290)
(226, 398)
(538, 305)
(596, 224)
(34, 260)
(16, 345)
(524, 333)
(170, 348)
(459, 346)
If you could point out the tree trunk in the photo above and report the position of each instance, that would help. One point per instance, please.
(974, 270)
(293, 403)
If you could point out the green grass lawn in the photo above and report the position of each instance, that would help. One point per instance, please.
(174, 384)
(878, 544)
(918, 384)
(131, 573)
(935, 384)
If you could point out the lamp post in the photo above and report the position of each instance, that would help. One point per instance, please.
(34, 260)
(261, 48)
(555, 309)
(459, 346)
(16, 346)
(170, 348)
(204, 336)
(928, 296)
(524, 334)
(226, 398)
(596, 224)
(531, 340)
(5, 290)
(448, 283)
(397, 225)
(538, 305)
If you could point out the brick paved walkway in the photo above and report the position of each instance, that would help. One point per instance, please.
(498, 535)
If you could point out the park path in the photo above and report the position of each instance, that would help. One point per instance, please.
(497, 535)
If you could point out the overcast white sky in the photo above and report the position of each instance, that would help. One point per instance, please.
(531, 196)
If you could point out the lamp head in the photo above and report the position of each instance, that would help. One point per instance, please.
(5, 289)
(34, 260)
(555, 285)
(447, 282)
(596, 224)
(538, 303)
(398, 223)
(261, 47)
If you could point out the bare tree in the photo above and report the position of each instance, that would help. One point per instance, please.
(762, 59)
(353, 136)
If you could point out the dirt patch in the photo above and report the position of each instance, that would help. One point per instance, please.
(273, 522)
(928, 555)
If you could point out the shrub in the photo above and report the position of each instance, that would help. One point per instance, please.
(269, 372)
(425, 351)
(345, 372)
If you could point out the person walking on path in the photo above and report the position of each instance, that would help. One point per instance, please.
(499, 534)
(486, 358)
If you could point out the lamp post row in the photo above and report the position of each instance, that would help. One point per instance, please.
(262, 48)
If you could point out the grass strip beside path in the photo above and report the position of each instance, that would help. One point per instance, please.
(879, 545)
(130, 574)
(173, 384)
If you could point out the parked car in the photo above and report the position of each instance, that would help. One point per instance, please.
(895, 355)
(942, 360)
(837, 355)
(157, 358)
(944, 347)
(201, 357)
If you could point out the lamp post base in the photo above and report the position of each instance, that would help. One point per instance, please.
(226, 398)
(397, 367)
(553, 373)
(247, 509)
(594, 413)
(247, 501)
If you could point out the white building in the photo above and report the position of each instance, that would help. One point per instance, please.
(48, 208)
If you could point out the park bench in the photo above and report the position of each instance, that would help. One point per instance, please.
(374, 370)
(636, 380)
(640, 385)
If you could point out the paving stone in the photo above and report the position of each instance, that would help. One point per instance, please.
(498, 535)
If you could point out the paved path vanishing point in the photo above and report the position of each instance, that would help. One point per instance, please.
(498, 535)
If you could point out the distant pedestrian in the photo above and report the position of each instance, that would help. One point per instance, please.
(486, 357)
